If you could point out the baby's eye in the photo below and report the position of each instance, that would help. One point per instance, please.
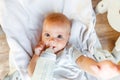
(60, 36)
(47, 34)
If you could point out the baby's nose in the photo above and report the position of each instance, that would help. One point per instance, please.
(52, 39)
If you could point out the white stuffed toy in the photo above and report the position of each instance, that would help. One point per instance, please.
(112, 7)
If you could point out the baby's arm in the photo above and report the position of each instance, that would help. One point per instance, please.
(86, 63)
(39, 48)
(32, 64)
(105, 69)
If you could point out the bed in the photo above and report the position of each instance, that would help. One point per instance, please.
(33, 33)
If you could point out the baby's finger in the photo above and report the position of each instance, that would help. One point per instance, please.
(38, 51)
(41, 45)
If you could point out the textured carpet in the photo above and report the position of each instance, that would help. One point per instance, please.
(4, 67)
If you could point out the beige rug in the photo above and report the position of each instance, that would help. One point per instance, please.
(4, 49)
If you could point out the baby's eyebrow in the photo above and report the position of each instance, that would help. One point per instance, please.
(59, 35)
(45, 32)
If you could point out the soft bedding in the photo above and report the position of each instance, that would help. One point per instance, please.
(22, 20)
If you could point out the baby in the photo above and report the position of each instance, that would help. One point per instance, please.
(71, 63)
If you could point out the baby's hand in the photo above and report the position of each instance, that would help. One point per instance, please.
(106, 70)
(39, 48)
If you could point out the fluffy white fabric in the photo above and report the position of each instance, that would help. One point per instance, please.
(1, 10)
(22, 23)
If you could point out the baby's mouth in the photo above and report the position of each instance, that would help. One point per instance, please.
(53, 47)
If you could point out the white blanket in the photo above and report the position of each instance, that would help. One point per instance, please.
(22, 20)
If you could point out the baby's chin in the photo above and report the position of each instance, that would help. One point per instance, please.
(57, 52)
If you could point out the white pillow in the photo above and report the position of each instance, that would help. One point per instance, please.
(1, 10)
(22, 23)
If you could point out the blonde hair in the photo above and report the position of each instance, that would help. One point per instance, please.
(57, 19)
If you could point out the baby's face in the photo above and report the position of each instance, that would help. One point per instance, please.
(55, 36)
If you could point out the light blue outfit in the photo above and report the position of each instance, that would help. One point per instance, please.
(66, 67)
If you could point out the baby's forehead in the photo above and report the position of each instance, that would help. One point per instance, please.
(57, 27)
(57, 19)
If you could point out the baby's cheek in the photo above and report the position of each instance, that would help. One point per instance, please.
(45, 41)
(63, 44)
